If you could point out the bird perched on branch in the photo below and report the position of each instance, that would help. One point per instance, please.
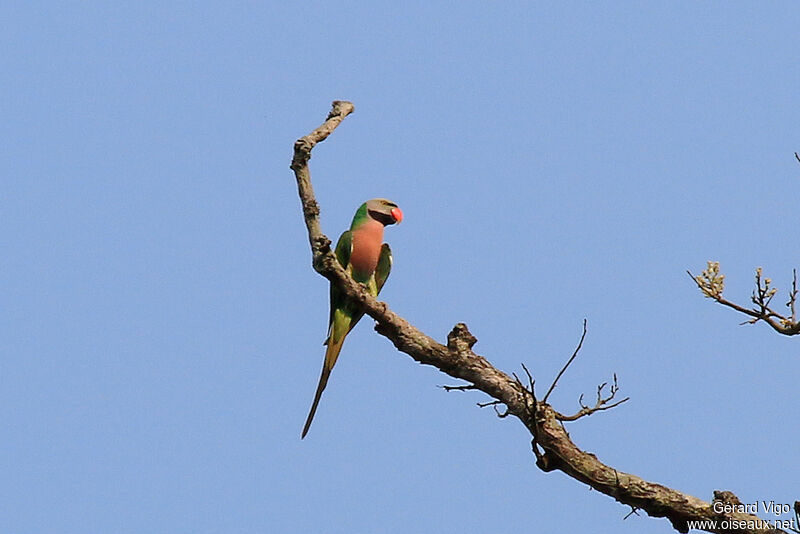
(362, 253)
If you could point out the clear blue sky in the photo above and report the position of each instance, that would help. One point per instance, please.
(161, 326)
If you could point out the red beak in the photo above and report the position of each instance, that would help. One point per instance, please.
(397, 214)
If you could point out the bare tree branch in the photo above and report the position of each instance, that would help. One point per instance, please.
(712, 283)
(458, 360)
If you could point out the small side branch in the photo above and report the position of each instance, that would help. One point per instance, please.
(494, 404)
(466, 387)
(712, 284)
(634, 511)
(472, 387)
(602, 403)
(563, 369)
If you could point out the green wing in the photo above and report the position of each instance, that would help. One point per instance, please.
(343, 249)
(384, 267)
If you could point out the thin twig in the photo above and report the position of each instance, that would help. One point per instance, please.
(601, 404)
(589, 411)
(466, 387)
(793, 295)
(531, 381)
(574, 355)
(634, 511)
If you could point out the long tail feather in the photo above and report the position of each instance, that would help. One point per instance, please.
(331, 355)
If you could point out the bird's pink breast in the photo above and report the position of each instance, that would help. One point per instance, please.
(367, 241)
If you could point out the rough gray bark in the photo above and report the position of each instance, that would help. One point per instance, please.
(552, 446)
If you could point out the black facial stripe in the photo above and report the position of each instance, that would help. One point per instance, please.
(383, 218)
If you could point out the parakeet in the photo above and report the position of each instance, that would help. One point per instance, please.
(363, 254)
